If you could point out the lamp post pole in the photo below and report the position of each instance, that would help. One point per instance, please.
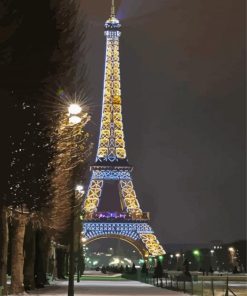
(197, 255)
(79, 192)
(178, 255)
(72, 252)
(74, 118)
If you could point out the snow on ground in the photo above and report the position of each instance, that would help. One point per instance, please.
(113, 288)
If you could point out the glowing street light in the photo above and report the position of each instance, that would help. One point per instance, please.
(84, 239)
(177, 255)
(232, 254)
(80, 189)
(74, 119)
(74, 109)
(196, 253)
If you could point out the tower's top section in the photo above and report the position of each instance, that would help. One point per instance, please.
(112, 24)
(113, 13)
(111, 147)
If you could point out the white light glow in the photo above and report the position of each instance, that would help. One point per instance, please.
(79, 188)
(74, 120)
(115, 261)
(74, 109)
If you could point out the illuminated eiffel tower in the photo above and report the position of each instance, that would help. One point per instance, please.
(111, 166)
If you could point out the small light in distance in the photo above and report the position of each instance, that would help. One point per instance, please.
(79, 188)
(196, 253)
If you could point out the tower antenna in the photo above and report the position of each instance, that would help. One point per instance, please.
(113, 12)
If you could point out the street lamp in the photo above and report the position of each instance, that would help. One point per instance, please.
(80, 189)
(74, 119)
(84, 239)
(212, 259)
(161, 258)
(177, 255)
(197, 254)
(232, 254)
(74, 110)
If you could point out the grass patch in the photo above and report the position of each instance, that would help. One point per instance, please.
(102, 278)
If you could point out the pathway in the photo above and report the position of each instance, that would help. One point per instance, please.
(92, 287)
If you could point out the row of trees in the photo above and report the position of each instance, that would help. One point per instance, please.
(43, 155)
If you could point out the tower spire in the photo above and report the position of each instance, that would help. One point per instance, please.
(113, 11)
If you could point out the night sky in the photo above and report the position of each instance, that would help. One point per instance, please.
(183, 82)
(183, 85)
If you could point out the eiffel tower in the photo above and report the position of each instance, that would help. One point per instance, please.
(111, 166)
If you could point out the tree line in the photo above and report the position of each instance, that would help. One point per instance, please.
(42, 68)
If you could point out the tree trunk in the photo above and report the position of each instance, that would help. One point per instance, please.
(66, 263)
(42, 256)
(60, 263)
(3, 248)
(17, 259)
(29, 249)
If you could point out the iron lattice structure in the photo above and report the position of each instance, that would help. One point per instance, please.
(112, 165)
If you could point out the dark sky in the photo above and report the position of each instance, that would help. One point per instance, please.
(183, 81)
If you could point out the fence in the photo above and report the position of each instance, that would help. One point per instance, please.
(197, 285)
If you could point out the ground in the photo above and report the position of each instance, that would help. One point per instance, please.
(102, 287)
(95, 283)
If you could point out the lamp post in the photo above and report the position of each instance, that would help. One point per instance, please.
(79, 192)
(177, 255)
(232, 253)
(197, 255)
(74, 111)
(75, 242)
(170, 262)
(212, 259)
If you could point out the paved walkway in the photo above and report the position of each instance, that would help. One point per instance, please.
(91, 288)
